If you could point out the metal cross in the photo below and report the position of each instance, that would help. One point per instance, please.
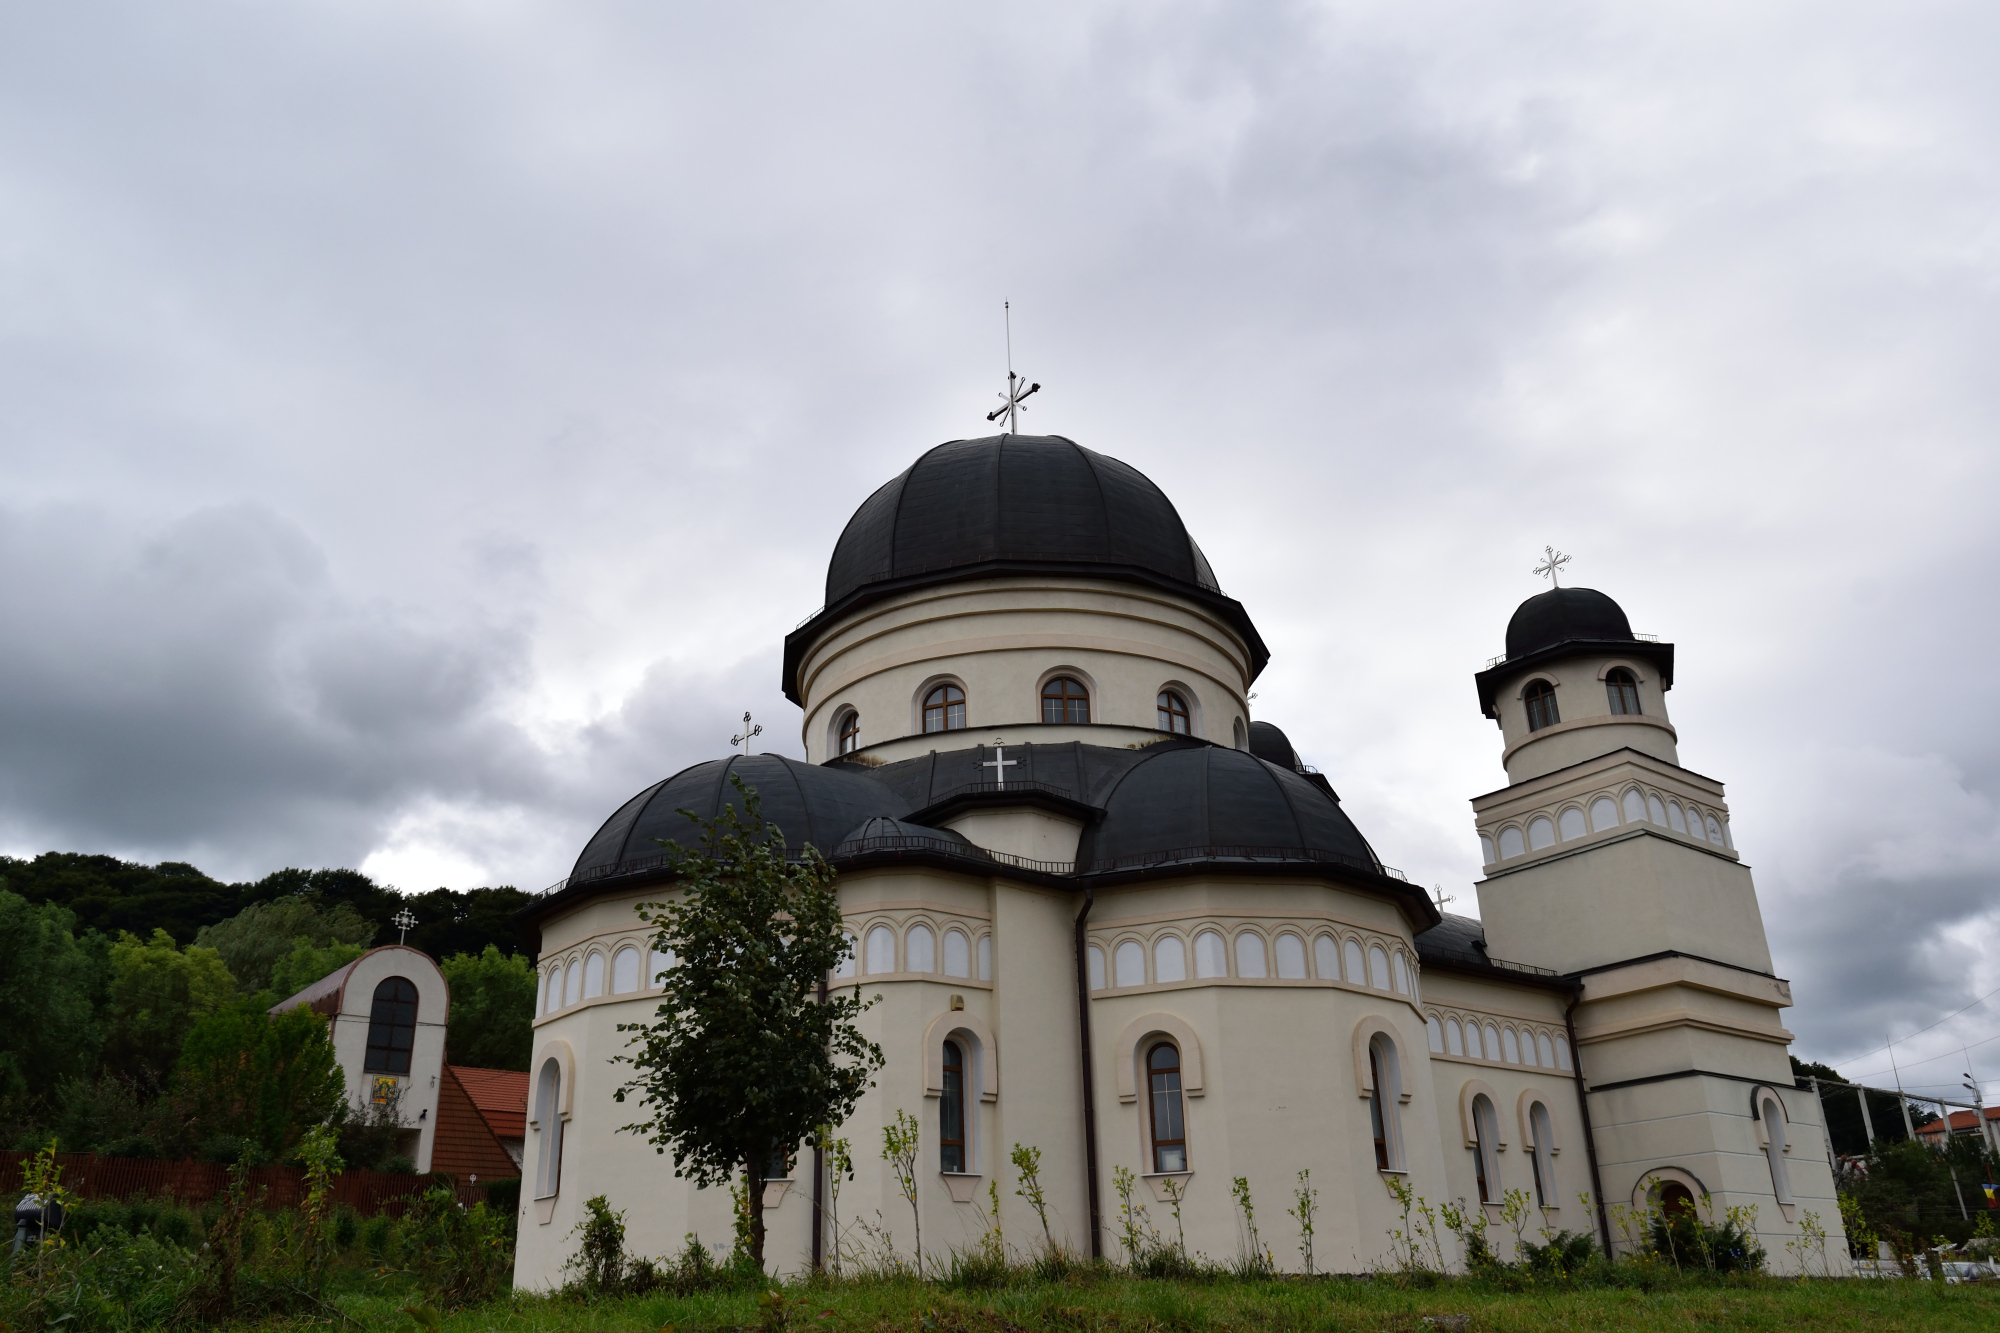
(402, 921)
(1441, 898)
(1018, 388)
(1552, 565)
(748, 732)
(999, 763)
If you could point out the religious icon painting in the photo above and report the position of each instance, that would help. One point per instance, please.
(385, 1089)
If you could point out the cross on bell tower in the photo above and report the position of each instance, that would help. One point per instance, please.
(1018, 388)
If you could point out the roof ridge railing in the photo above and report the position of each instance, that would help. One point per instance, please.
(1492, 662)
(1239, 852)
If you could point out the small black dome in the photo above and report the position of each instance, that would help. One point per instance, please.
(1273, 746)
(1206, 802)
(1015, 498)
(1562, 615)
(882, 832)
(811, 804)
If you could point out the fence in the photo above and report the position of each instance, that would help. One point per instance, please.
(281, 1187)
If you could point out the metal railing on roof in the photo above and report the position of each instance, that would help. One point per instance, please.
(1492, 662)
(1238, 852)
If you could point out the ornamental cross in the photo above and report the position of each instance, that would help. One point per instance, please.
(1018, 388)
(1551, 565)
(1441, 898)
(402, 921)
(748, 732)
(999, 763)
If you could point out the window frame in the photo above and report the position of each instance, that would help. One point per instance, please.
(1164, 1087)
(1538, 697)
(951, 1103)
(1171, 706)
(1066, 702)
(1621, 689)
(847, 732)
(1485, 1158)
(390, 1025)
(943, 698)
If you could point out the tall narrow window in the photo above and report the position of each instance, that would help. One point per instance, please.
(944, 709)
(951, 1111)
(1163, 1068)
(1173, 713)
(1065, 700)
(1541, 700)
(1774, 1148)
(1624, 691)
(850, 732)
(548, 1118)
(1484, 1134)
(392, 1027)
(1538, 1153)
(1378, 1121)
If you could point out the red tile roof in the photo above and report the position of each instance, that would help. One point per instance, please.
(465, 1144)
(501, 1096)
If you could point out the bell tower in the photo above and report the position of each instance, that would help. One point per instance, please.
(1609, 862)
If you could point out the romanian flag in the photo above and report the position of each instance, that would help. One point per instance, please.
(1992, 1194)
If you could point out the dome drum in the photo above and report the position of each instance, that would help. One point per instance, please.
(1567, 622)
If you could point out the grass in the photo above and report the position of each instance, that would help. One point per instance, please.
(1117, 1304)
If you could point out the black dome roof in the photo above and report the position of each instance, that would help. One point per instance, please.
(1562, 615)
(1271, 745)
(1025, 498)
(1205, 802)
(1014, 504)
(810, 803)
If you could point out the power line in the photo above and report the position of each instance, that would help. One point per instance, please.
(1921, 1031)
(1916, 1064)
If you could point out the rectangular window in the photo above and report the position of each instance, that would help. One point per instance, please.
(951, 1112)
(1169, 1132)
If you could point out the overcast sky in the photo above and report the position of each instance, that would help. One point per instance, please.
(420, 424)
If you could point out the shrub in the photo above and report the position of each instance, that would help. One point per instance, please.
(600, 1264)
(461, 1255)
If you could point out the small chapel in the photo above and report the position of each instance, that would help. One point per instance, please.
(1113, 917)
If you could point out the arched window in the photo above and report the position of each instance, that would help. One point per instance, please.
(1603, 814)
(846, 967)
(1562, 1054)
(1350, 958)
(1511, 1046)
(957, 954)
(881, 950)
(1528, 1047)
(1454, 1043)
(1378, 967)
(392, 1027)
(1773, 1117)
(1130, 964)
(1401, 971)
(1096, 968)
(986, 958)
(1486, 856)
(920, 950)
(573, 982)
(1541, 700)
(1169, 959)
(1548, 1052)
(625, 971)
(1384, 1095)
(662, 961)
(1485, 1134)
(1211, 958)
(850, 733)
(1249, 954)
(1714, 830)
(1173, 713)
(1541, 833)
(1656, 810)
(1572, 824)
(944, 709)
(543, 1004)
(1472, 1047)
(548, 1117)
(1065, 700)
(1236, 733)
(1539, 1150)
(1291, 952)
(593, 976)
(1510, 842)
(1635, 807)
(1492, 1042)
(1326, 957)
(951, 1112)
(1436, 1032)
(1674, 820)
(1163, 1072)
(1624, 692)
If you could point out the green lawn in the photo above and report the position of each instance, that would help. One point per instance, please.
(1224, 1306)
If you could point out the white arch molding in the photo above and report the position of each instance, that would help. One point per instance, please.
(559, 1051)
(1364, 1031)
(1525, 1106)
(1144, 1028)
(1478, 1087)
(987, 1052)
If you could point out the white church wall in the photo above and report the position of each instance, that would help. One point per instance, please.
(1588, 727)
(998, 639)
(418, 1088)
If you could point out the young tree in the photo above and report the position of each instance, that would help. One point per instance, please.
(745, 1060)
(48, 984)
(157, 993)
(492, 1009)
(264, 1078)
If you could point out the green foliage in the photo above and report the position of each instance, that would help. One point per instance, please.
(49, 987)
(901, 1141)
(1841, 1108)
(156, 995)
(492, 1009)
(1686, 1241)
(108, 895)
(262, 1078)
(600, 1266)
(1305, 1207)
(307, 963)
(460, 1255)
(1906, 1191)
(314, 1237)
(1028, 1163)
(262, 935)
(744, 1059)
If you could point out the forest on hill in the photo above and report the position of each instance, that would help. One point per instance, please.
(135, 999)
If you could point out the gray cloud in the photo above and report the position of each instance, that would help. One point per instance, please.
(423, 427)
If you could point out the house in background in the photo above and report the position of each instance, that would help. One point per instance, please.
(387, 1013)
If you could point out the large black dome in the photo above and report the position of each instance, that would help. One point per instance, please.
(811, 804)
(1014, 498)
(1011, 504)
(1565, 615)
(1204, 803)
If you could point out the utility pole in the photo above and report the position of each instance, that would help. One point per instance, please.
(1901, 1100)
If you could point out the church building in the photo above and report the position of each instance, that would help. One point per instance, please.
(1111, 917)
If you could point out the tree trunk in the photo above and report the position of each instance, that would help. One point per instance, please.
(753, 1183)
